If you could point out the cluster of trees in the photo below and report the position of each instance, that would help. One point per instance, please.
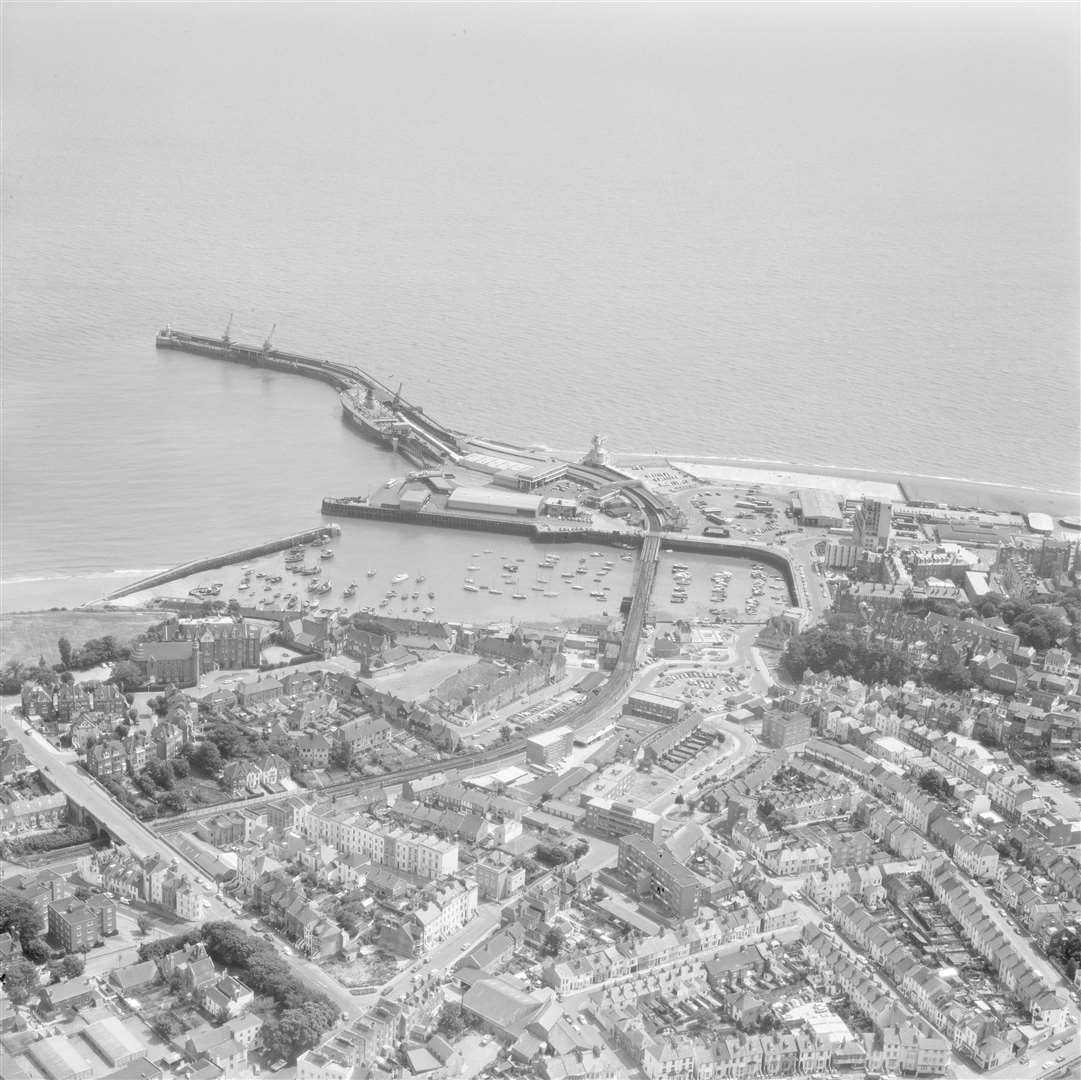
(1037, 624)
(555, 941)
(65, 836)
(162, 776)
(452, 1022)
(96, 651)
(152, 950)
(827, 648)
(558, 854)
(67, 967)
(233, 741)
(18, 917)
(21, 981)
(350, 913)
(306, 1015)
(824, 648)
(1065, 947)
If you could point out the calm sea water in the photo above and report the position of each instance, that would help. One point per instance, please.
(817, 234)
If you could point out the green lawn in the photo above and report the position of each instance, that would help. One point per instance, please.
(24, 636)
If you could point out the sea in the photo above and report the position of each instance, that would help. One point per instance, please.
(814, 234)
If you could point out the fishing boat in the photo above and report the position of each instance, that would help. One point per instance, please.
(431, 596)
(372, 573)
(420, 578)
(470, 588)
(326, 553)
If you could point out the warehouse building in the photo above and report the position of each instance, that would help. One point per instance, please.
(819, 508)
(113, 1041)
(413, 499)
(486, 500)
(59, 1059)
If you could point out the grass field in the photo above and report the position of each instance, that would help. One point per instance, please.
(25, 636)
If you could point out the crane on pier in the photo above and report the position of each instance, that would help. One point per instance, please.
(266, 344)
(228, 327)
(397, 396)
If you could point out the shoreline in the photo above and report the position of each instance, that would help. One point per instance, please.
(725, 471)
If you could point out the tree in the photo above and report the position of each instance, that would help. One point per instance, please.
(21, 981)
(451, 1022)
(173, 802)
(931, 782)
(36, 951)
(19, 916)
(68, 967)
(180, 767)
(63, 646)
(167, 1026)
(298, 1029)
(144, 924)
(228, 944)
(207, 758)
(121, 731)
(678, 799)
(554, 941)
(505, 733)
(126, 676)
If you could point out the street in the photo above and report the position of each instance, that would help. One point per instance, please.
(59, 768)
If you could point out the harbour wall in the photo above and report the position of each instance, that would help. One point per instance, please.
(511, 526)
(212, 562)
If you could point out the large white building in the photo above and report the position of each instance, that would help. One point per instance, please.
(354, 833)
(549, 747)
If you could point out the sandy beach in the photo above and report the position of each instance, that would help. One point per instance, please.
(848, 487)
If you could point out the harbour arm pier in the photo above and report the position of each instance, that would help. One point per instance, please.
(374, 409)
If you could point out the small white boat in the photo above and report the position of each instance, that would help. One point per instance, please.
(551, 594)
(372, 573)
(473, 569)
(519, 596)
(578, 588)
(398, 578)
(493, 591)
(470, 588)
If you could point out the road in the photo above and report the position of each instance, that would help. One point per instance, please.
(59, 768)
(738, 746)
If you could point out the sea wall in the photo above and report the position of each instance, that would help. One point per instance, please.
(212, 562)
